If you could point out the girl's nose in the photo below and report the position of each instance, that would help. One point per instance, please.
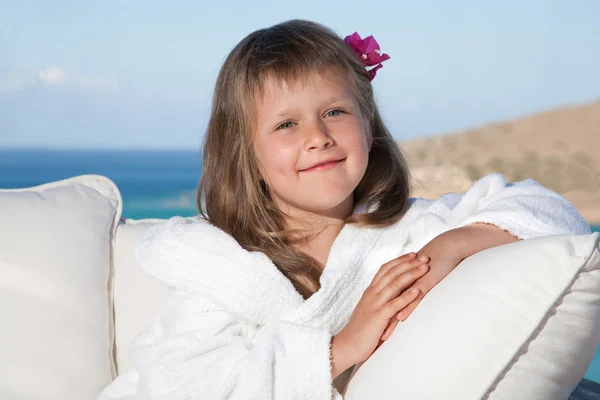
(317, 137)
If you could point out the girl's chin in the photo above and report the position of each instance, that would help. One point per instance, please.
(320, 202)
(339, 208)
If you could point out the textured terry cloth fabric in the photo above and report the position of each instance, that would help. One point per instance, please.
(233, 327)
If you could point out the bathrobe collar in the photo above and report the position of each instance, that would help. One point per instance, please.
(191, 254)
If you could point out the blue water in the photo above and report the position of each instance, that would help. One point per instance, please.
(154, 184)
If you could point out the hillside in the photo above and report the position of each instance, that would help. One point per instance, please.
(559, 148)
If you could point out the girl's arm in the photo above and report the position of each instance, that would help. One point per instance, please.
(471, 239)
(195, 350)
(493, 212)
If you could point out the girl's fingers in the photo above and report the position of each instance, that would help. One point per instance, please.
(405, 313)
(392, 271)
(400, 302)
(401, 282)
(389, 329)
(390, 264)
(401, 316)
(416, 298)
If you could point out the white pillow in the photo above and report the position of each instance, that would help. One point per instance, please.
(521, 321)
(136, 294)
(55, 246)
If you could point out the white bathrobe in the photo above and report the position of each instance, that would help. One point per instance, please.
(233, 327)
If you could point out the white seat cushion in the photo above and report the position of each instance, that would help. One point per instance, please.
(136, 294)
(520, 321)
(55, 246)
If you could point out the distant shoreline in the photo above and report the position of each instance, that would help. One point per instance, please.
(559, 148)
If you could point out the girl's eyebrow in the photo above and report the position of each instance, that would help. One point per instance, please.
(284, 112)
(326, 103)
(333, 99)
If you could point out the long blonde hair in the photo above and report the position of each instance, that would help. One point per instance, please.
(235, 198)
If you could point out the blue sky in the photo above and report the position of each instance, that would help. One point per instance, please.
(139, 74)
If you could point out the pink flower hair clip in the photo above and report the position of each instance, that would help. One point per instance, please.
(368, 51)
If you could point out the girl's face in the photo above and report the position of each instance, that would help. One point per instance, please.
(311, 145)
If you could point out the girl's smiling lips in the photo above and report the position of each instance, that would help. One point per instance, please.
(323, 165)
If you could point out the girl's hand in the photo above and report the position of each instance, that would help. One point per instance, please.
(381, 301)
(443, 258)
(445, 252)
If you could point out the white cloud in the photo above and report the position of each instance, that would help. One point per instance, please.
(56, 75)
(52, 75)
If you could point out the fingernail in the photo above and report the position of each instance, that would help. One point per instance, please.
(399, 317)
(413, 291)
(422, 266)
(423, 258)
(411, 255)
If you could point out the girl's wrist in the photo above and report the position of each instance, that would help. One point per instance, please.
(339, 356)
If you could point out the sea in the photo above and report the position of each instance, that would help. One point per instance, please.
(153, 183)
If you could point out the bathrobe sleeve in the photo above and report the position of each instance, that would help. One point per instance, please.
(197, 351)
(526, 209)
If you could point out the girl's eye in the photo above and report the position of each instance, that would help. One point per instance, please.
(285, 125)
(334, 113)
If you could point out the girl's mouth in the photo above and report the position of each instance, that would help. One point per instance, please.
(324, 166)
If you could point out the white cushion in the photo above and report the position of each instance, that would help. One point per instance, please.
(136, 294)
(56, 339)
(520, 321)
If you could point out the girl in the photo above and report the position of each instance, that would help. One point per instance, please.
(309, 251)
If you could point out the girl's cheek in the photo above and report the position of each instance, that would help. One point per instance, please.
(285, 146)
(281, 155)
